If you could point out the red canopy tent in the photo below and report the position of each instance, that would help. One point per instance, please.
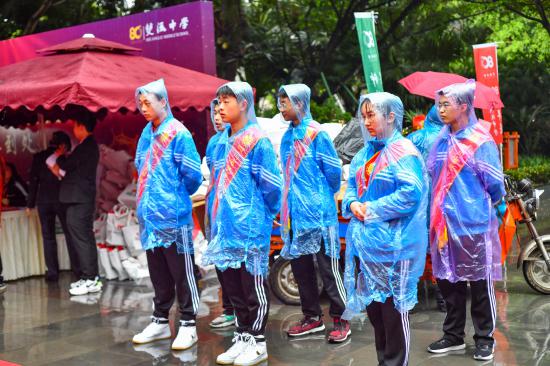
(98, 74)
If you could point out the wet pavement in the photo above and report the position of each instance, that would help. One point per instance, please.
(40, 324)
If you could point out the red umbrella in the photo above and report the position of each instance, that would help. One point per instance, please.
(98, 74)
(427, 83)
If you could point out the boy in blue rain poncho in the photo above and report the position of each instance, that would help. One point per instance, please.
(309, 218)
(227, 318)
(386, 199)
(247, 186)
(467, 189)
(423, 139)
(168, 168)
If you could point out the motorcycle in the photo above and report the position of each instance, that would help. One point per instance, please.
(523, 201)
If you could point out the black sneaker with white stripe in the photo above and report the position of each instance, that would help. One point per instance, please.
(483, 352)
(445, 345)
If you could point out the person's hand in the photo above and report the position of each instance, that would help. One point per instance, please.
(55, 171)
(359, 210)
(5, 202)
(60, 150)
(28, 212)
(276, 223)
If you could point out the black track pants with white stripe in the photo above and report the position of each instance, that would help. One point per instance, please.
(173, 275)
(483, 309)
(391, 333)
(250, 297)
(304, 272)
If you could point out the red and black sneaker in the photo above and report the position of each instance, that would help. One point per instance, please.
(306, 326)
(341, 331)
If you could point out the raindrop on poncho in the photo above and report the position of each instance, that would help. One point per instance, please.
(168, 166)
(467, 182)
(387, 175)
(312, 174)
(247, 186)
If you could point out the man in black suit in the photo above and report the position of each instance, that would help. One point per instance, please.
(44, 194)
(77, 193)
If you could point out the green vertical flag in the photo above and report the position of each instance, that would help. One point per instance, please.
(369, 51)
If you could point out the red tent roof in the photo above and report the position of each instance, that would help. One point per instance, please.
(98, 74)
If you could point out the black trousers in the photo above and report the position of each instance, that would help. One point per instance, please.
(226, 302)
(483, 310)
(47, 213)
(80, 221)
(249, 295)
(305, 275)
(391, 333)
(173, 274)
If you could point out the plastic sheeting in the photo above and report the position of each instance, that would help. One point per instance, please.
(247, 185)
(467, 181)
(168, 166)
(312, 173)
(389, 184)
(349, 141)
(424, 138)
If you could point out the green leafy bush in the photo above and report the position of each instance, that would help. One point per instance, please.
(536, 168)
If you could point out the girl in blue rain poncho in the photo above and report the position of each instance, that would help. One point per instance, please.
(168, 173)
(227, 318)
(247, 186)
(386, 200)
(309, 218)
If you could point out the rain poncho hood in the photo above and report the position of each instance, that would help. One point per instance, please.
(312, 174)
(388, 176)
(244, 94)
(467, 182)
(247, 185)
(168, 166)
(155, 92)
(424, 138)
(299, 96)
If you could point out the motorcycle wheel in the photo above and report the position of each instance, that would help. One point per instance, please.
(283, 284)
(536, 273)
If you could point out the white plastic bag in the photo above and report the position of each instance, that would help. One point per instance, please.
(116, 220)
(131, 234)
(128, 196)
(103, 254)
(114, 256)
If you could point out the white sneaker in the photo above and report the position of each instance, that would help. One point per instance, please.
(239, 344)
(87, 287)
(76, 283)
(253, 353)
(157, 330)
(187, 336)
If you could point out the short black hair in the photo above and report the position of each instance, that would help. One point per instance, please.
(225, 91)
(282, 94)
(60, 138)
(82, 116)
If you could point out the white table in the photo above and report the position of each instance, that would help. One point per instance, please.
(21, 246)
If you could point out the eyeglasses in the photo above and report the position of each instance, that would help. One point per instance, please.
(282, 106)
(444, 105)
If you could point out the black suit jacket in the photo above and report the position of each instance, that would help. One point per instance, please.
(79, 183)
(44, 185)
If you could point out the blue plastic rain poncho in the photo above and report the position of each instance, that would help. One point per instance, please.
(424, 138)
(312, 173)
(388, 176)
(467, 181)
(247, 185)
(168, 166)
(210, 147)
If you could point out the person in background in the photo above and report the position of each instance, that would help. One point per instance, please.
(423, 139)
(15, 189)
(77, 192)
(3, 285)
(227, 318)
(44, 194)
